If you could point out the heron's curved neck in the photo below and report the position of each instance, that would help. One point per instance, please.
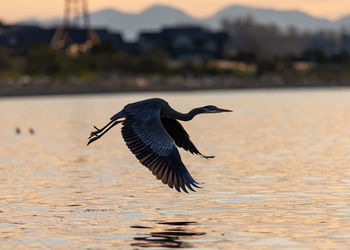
(184, 116)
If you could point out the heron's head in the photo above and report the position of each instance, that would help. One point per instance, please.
(214, 109)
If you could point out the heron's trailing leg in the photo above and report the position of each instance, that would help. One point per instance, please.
(95, 134)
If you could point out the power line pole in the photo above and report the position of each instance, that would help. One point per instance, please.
(74, 11)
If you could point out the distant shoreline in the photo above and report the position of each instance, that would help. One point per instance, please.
(45, 86)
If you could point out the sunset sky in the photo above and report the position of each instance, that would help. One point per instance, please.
(19, 9)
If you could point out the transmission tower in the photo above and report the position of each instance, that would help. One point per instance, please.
(76, 15)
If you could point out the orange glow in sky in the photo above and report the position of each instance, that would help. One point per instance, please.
(14, 10)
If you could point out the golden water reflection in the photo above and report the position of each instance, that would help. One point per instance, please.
(280, 179)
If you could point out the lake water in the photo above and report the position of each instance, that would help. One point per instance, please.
(280, 179)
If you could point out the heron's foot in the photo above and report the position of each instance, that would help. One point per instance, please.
(94, 133)
(93, 138)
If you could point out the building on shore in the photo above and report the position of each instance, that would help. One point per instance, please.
(185, 43)
(179, 42)
(25, 36)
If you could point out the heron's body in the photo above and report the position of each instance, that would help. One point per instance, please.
(151, 131)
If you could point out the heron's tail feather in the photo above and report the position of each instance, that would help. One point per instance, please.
(207, 156)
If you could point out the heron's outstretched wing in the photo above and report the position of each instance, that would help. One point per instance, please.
(180, 136)
(150, 143)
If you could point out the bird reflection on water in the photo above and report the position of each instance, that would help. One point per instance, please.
(173, 236)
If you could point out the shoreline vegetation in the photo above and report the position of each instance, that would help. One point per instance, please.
(41, 70)
(45, 85)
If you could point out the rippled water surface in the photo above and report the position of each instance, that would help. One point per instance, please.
(280, 179)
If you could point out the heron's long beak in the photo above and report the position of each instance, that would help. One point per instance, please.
(224, 110)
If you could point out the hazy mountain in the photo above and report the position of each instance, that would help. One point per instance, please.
(46, 23)
(344, 22)
(29, 21)
(158, 16)
(130, 24)
(281, 18)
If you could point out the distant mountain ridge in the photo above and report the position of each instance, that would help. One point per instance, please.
(158, 16)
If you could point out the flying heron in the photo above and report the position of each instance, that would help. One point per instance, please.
(151, 132)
